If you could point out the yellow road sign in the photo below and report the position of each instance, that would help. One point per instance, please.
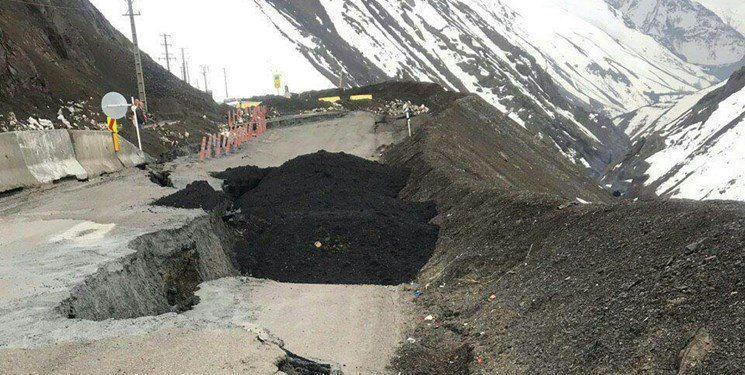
(361, 97)
(330, 99)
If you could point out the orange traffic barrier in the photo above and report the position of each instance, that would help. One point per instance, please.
(203, 149)
(208, 151)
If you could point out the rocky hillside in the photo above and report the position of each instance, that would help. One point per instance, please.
(690, 148)
(526, 283)
(690, 30)
(57, 61)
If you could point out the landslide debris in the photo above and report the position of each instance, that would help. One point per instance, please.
(332, 218)
(198, 194)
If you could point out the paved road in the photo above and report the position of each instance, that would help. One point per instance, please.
(52, 238)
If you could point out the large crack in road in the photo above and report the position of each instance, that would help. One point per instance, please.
(126, 299)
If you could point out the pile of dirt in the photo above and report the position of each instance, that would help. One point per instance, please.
(198, 194)
(525, 279)
(237, 181)
(332, 218)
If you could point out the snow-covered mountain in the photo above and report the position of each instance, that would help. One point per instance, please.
(732, 12)
(689, 29)
(585, 47)
(689, 148)
(541, 72)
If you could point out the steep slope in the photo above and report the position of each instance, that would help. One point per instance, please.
(687, 149)
(57, 62)
(690, 30)
(526, 283)
(472, 141)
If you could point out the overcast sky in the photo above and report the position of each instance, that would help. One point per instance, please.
(234, 35)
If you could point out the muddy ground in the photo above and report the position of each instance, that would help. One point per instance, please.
(526, 279)
(334, 218)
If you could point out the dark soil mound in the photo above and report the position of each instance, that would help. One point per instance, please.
(333, 218)
(198, 194)
(237, 181)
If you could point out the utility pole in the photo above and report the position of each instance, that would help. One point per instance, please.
(225, 74)
(184, 72)
(165, 45)
(138, 59)
(205, 69)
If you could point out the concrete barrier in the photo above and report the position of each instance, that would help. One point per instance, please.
(32, 158)
(130, 155)
(13, 171)
(49, 155)
(95, 152)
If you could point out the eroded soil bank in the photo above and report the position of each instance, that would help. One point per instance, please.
(525, 279)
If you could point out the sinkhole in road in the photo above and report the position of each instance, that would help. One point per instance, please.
(328, 218)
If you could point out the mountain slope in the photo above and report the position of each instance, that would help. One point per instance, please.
(547, 65)
(474, 45)
(690, 30)
(732, 12)
(57, 62)
(688, 149)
